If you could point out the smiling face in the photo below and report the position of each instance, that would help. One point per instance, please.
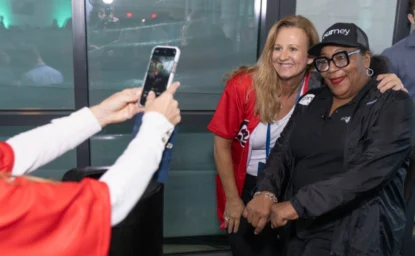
(289, 56)
(346, 82)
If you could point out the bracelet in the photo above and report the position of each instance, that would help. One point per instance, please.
(268, 195)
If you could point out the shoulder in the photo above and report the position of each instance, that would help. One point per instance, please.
(238, 87)
(305, 103)
(395, 49)
(309, 98)
(395, 108)
(240, 82)
(390, 98)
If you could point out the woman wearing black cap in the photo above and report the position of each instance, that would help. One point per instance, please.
(340, 182)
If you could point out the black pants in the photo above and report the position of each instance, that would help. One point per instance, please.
(245, 242)
(308, 247)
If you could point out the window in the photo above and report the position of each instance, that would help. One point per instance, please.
(215, 36)
(375, 17)
(36, 67)
(53, 170)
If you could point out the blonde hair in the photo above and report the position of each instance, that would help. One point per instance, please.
(266, 82)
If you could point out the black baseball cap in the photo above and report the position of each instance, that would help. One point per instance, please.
(341, 34)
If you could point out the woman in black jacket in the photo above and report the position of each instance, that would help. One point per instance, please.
(340, 182)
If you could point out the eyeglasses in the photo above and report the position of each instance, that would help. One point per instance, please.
(339, 59)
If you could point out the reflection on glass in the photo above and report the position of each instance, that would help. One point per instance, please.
(376, 18)
(38, 72)
(36, 66)
(214, 36)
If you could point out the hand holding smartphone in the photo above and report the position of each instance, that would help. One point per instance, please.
(160, 71)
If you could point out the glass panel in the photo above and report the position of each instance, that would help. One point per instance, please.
(55, 169)
(36, 66)
(189, 198)
(375, 17)
(215, 36)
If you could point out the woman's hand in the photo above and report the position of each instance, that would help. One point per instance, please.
(233, 211)
(281, 213)
(119, 107)
(123, 105)
(165, 104)
(390, 81)
(258, 211)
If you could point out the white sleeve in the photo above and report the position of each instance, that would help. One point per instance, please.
(128, 178)
(41, 145)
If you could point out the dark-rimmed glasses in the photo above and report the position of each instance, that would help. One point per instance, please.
(339, 59)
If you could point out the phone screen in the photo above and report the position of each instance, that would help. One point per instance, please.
(158, 73)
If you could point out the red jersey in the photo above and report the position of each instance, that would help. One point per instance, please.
(42, 218)
(234, 119)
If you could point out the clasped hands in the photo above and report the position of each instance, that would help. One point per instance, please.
(262, 209)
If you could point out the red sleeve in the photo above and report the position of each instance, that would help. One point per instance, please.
(229, 113)
(63, 219)
(6, 157)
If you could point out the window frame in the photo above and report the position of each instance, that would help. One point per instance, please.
(269, 12)
(402, 27)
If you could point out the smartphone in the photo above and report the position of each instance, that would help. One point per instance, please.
(160, 71)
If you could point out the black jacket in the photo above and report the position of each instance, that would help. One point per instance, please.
(368, 196)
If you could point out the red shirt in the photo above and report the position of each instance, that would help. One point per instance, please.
(235, 120)
(42, 218)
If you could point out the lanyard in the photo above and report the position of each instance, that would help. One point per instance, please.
(298, 95)
(268, 139)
